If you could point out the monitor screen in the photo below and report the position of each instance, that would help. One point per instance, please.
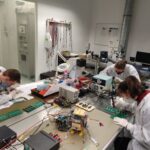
(143, 57)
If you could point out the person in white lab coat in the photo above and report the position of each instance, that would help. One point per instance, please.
(120, 71)
(2, 69)
(140, 129)
(2, 84)
(10, 80)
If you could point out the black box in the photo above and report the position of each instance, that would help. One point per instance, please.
(81, 62)
(47, 74)
(42, 141)
(7, 136)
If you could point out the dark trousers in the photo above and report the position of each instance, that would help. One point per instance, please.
(121, 143)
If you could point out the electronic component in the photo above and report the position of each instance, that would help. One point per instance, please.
(48, 74)
(81, 62)
(45, 90)
(115, 112)
(78, 121)
(62, 101)
(95, 87)
(85, 106)
(7, 137)
(104, 56)
(42, 141)
(56, 136)
(33, 106)
(68, 92)
(10, 114)
(104, 81)
(63, 122)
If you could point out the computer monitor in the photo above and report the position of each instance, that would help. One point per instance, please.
(142, 57)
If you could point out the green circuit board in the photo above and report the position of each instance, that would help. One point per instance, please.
(10, 114)
(33, 106)
(114, 112)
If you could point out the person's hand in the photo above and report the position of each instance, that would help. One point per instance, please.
(120, 121)
(120, 103)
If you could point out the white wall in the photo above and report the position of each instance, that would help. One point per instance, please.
(1, 32)
(139, 37)
(8, 35)
(105, 11)
(75, 11)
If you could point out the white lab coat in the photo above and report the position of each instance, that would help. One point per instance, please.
(2, 69)
(129, 70)
(140, 131)
(5, 98)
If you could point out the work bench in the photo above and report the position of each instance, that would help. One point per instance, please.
(39, 119)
